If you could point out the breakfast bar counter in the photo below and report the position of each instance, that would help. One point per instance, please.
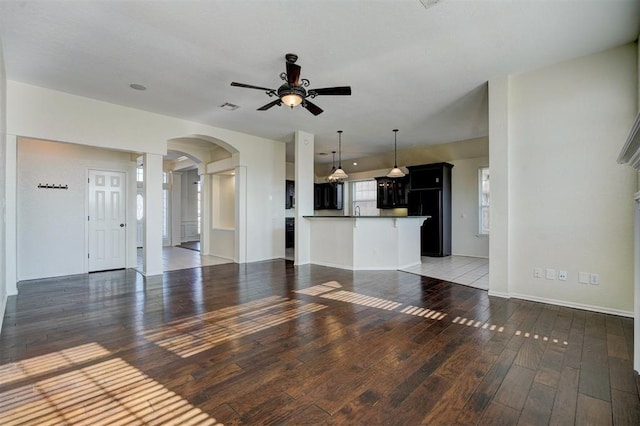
(365, 242)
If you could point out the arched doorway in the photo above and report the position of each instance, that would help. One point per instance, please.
(207, 171)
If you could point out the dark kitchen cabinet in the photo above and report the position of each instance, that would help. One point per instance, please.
(431, 196)
(392, 192)
(327, 196)
(289, 194)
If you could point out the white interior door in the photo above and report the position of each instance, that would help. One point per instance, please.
(107, 224)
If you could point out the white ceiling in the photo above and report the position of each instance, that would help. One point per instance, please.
(423, 71)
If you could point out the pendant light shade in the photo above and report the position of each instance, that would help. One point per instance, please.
(339, 175)
(330, 178)
(395, 172)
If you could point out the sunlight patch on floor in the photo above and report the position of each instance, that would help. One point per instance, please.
(110, 392)
(195, 334)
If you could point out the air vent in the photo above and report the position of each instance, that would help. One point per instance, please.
(229, 107)
(429, 3)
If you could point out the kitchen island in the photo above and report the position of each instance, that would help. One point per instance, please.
(365, 242)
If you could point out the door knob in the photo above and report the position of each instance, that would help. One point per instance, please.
(122, 225)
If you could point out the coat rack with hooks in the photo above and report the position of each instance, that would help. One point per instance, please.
(47, 186)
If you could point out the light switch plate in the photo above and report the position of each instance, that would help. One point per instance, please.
(551, 274)
(583, 278)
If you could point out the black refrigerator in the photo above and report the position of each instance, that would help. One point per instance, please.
(432, 198)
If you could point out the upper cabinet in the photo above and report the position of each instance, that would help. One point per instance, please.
(327, 196)
(430, 176)
(392, 193)
(289, 194)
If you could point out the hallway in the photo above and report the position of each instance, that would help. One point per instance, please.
(176, 258)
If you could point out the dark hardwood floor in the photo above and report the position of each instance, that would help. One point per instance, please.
(267, 343)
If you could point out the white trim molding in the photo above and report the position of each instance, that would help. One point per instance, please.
(630, 153)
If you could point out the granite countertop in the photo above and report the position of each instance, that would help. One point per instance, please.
(365, 217)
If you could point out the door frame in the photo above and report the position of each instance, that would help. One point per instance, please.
(127, 213)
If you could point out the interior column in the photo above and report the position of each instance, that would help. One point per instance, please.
(304, 146)
(499, 165)
(152, 251)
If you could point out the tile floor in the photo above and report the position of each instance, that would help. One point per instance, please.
(471, 271)
(175, 258)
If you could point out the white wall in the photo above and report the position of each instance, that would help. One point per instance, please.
(3, 153)
(570, 205)
(52, 223)
(189, 206)
(226, 204)
(464, 209)
(48, 114)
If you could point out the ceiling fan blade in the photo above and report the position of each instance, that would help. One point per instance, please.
(270, 104)
(293, 73)
(312, 108)
(341, 90)
(248, 86)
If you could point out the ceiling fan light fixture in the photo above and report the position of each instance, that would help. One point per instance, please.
(291, 99)
(395, 172)
(291, 95)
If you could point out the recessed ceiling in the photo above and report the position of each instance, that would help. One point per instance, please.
(422, 70)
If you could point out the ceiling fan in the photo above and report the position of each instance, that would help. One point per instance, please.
(292, 92)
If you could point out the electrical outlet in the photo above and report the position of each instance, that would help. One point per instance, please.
(562, 275)
(551, 274)
(583, 278)
(594, 279)
(537, 272)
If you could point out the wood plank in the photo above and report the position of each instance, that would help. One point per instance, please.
(537, 408)
(564, 407)
(485, 392)
(593, 411)
(621, 375)
(497, 414)
(617, 346)
(515, 388)
(625, 408)
(451, 403)
(594, 381)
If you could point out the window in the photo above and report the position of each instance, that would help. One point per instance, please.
(364, 197)
(139, 207)
(140, 174)
(483, 192)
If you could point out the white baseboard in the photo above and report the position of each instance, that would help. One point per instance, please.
(410, 265)
(332, 265)
(470, 255)
(3, 306)
(499, 294)
(566, 304)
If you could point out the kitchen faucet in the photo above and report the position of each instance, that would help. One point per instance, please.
(357, 211)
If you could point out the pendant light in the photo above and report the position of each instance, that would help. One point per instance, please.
(395, 172)
(330, 178)
(339, 175)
